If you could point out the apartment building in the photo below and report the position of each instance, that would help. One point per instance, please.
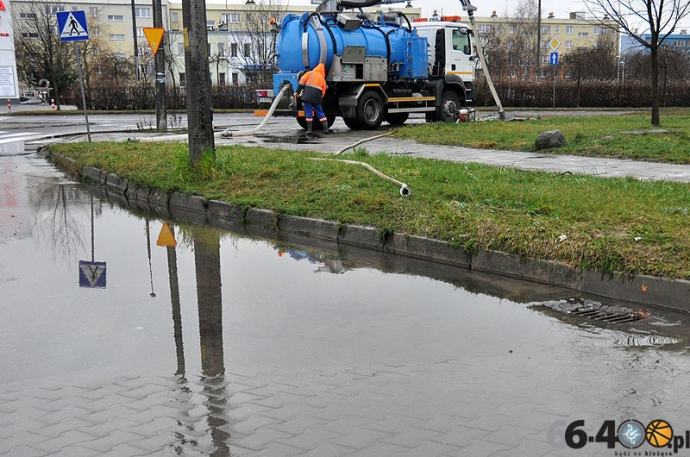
(240, 38)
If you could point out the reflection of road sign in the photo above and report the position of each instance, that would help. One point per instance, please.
(166, 237)
(72, 25)
(155, 36)
(92, 274)
(554, 43)
(553, 58)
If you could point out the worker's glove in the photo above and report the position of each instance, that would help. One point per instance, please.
(296, 94)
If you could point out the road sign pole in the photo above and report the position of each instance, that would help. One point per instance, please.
(83, 95)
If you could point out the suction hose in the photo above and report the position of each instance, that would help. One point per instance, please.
(404, 188)
(274, 106)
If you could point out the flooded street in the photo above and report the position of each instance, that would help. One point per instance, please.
(111, 344)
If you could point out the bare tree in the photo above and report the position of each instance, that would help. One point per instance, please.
(661, 18)
(40, 53)
(257, 40)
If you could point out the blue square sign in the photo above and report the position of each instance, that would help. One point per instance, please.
(72, 26)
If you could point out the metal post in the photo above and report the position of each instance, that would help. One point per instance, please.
(161, 109)
(83, 94)
(554, 86)
(134, 36)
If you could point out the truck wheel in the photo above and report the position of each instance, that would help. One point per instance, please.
(450, 105)
(370, 111)
(397, 118)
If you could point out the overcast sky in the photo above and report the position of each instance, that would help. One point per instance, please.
(484, 7)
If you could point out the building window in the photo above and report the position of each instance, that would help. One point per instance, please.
(247, 50)
(180, 49)
(544, 44)
(116, 18)
(598, 30)
(568, 45)
(183, 80)
(210, 23)
(27, 16)
(568, 29)
(545, 29)
(557, 28)
(31, 35)
(221, 50)
(511, 28)
(140, 31)
(233, 50)
(95, 31)
(117, 36)
(221, 79)
(510, 44)
(235, 79)
(51, 9)
(175, 17)
(484, 28)
(231, 18)
(93, 11)
(583, 34)
(142, 12)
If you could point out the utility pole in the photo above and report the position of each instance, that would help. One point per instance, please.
(134, 38)
(198, 81)
(538, 72)
(161, 110)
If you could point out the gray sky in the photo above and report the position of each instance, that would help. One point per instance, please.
(484, 7)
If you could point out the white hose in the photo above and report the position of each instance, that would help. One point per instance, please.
(404, 189)
(228, 134)
(223, 134)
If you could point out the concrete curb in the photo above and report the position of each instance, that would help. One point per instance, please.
(642, 290)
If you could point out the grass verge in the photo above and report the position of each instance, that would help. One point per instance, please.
(608, 224)
(625, 136)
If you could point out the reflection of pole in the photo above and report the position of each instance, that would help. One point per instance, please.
(148, 251)
(93, 249)
(176, 310)
(209, 296)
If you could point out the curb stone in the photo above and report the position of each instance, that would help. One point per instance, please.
(638, 289)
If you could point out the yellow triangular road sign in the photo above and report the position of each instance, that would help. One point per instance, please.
(166, 237)
(155, 36)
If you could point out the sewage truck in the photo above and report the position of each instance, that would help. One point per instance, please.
(380, 66)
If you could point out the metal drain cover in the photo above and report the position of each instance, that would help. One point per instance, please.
(594, 310)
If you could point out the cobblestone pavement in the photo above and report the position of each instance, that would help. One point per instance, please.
(440, 389)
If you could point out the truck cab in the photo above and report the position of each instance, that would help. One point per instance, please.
(451, 54)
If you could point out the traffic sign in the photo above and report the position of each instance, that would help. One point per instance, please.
(155, 36)
(553, 58)
(554, 43)
(72, 26)
(166, 237)
(92, 274)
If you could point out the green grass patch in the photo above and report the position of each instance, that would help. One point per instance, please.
(622, 136)
(608, 224)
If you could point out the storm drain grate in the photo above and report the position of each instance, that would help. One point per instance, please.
(597, 311)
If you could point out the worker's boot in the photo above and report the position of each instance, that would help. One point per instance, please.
(310, 132)
(326, 130)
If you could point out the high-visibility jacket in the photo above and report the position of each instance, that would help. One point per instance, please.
(313, 85)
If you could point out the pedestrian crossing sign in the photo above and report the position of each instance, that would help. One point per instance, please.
(72, 25)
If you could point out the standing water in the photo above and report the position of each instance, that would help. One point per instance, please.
(214, 343)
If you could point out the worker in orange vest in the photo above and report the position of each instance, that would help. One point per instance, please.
(312, 89)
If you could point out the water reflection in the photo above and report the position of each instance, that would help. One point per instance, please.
(257, 336)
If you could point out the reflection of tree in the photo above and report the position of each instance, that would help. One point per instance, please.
(209, 296)
(58, 228)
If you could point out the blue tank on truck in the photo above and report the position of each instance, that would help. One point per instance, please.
(406, 52)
